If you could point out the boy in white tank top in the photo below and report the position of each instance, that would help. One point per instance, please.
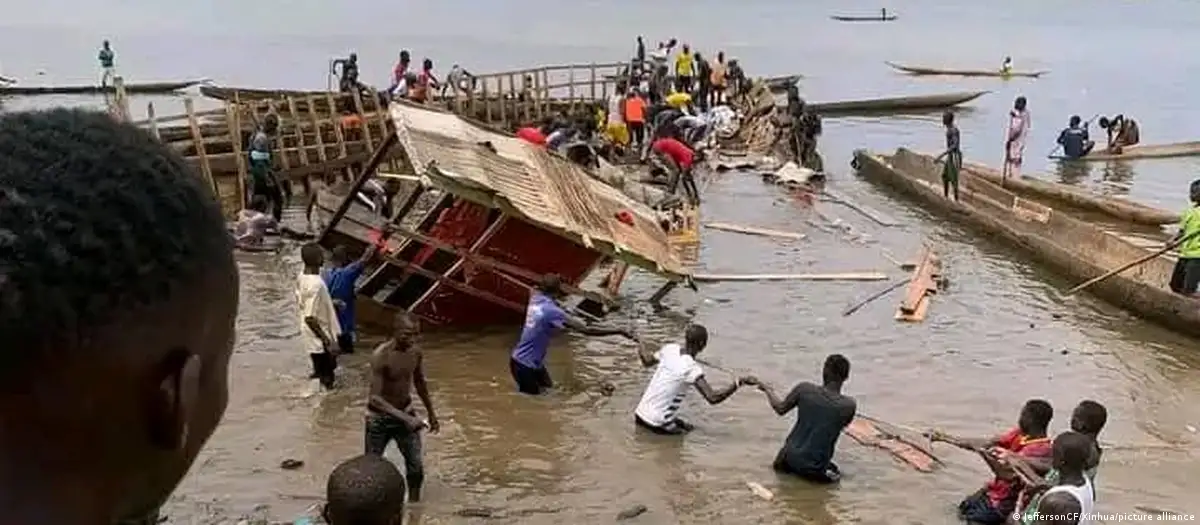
(1072, 500)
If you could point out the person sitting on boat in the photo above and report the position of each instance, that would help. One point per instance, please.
(1074, 139)
(1186, 276)
(426, 83)
(953, 156)
(1122, 132)
(1007, 67)
(262, 180)
(401, 69)
(348, 76)
(822, 412)
(107, 60)
(996, 501)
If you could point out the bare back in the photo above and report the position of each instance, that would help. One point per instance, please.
(392, 372)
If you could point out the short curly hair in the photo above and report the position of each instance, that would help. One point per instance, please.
(365, 490)
(96, 218)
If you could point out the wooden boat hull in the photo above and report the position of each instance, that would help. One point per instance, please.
(896, 104)
(1069, 196)
(928, 71)
(1074, 247)
(144, 88)
(781, 83)
(888, 18)
(1141, 151)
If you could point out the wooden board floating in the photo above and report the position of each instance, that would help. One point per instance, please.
(915, 305)
(874, 433)
(929, 71)
(751, 230)
(863, 276)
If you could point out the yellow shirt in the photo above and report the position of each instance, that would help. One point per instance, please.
(685, 64)
(1189, 224)
(679, 100)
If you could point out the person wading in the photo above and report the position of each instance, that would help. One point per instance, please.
(658, 410)
(340, 280)
(119, 336)
(996, 501)
(1072, 499)
(319, 327)
(543, 318)
(822, 412)
(952, 155)
(397, 368)
(1088, 419)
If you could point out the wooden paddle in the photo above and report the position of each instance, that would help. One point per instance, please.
(1141, 260)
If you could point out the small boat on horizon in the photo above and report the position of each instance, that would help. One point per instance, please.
(883, 16)
(929, 71)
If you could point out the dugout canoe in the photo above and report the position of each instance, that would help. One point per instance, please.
(875, 18)
(929, 71)
(143, 88)
(781, 83)
(1076, 248)
(1073, 197)
(1141, 151)
(896, 104)
(248, 94)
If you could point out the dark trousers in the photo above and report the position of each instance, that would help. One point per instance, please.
(323, 365)
(689, 185)
(684, 84)
(674, 428)
(1186, 276)
(830, 474)
(532, 381)
(345, 343)
(637, 132)
(266, 185)
(977, 508)
(382, 429)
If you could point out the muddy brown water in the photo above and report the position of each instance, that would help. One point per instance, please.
(1001, 333)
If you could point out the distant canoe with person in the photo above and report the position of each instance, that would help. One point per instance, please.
(142, 88)
(1140, 151)
(930, 71)
(861, 18)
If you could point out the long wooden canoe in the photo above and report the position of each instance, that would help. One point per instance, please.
(896, 104)
(781, 83)
(247, 94)
(1074, 247)
(874, 18)
(1141, 151)
(929, 71)
(144, 88)
(1073, 197)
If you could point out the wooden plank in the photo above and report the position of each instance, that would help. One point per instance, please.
(356, 96)
(869, 213)
(338, 133)
(273, 109)
(371, 165)
(862, 276)
(313, 118)
(205, 167)
(298, 130)
(234, 118)
(484, 237)
(571, 90)
(752, 230)
(153, 121)
(487, 100)
(915, 305)
(504, 99)
(464, 288)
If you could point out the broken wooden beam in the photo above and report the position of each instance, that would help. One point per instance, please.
(869, 213)
(915, 304)
(753, 230)
(861, 276)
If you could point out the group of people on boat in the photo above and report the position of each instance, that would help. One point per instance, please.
(1076, 142)
(708, 82)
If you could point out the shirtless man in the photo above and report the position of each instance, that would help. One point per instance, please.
(1122, 132)
(397, 368)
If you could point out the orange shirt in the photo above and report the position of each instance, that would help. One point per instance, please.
(635, 109)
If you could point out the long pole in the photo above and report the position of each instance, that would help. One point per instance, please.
(1170, 246)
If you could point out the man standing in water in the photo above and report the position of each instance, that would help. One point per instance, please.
(107, 60)
(118, 336)
(1018, 131)
(822, 412)
(677, 369)
(262, 181)
(397, 367)
(543, 318)
(952, 155)
(341, 280)
(1073, 496)
(1088, 419)
(318, 318)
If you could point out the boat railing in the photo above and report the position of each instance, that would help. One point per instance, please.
(511, 98)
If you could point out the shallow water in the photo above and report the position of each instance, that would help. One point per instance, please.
(1003, 332)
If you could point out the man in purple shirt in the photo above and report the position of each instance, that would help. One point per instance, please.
(341, 280)
(543, 318)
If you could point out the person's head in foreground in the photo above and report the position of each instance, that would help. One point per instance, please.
(118, 295)
(836, 370)
(366, 490)
(1058, 508)
(1089, 418)
(551, 286)
(695, 339)
(1035, 417)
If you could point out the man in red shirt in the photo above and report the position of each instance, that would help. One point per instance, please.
(682, 157)
(997, 500)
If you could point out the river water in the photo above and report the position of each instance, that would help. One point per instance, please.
(1002, 333)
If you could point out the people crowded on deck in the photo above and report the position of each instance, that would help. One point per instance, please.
(1074, 139)
(675, 371)
(107, 58)
(1122, 131)
(262, 178)
(1185, 278)
(822, 413)
(346, 69)
(996, 501)
(119, 314)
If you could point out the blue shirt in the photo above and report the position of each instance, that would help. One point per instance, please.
(543, 317)
(340, 282)
(1074, 141)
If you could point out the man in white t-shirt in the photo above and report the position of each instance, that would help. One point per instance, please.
(319, 328)
(677, 369)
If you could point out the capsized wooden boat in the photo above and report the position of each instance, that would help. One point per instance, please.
(928, 71)
(1073, 197)
(896, 104)
(1074, 247)
(143, 88)
(874, 18)
(498, 213)
(782, 83)
(1141, 151)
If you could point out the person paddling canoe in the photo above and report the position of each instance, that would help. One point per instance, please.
(1007, 67)
(1122, 132)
